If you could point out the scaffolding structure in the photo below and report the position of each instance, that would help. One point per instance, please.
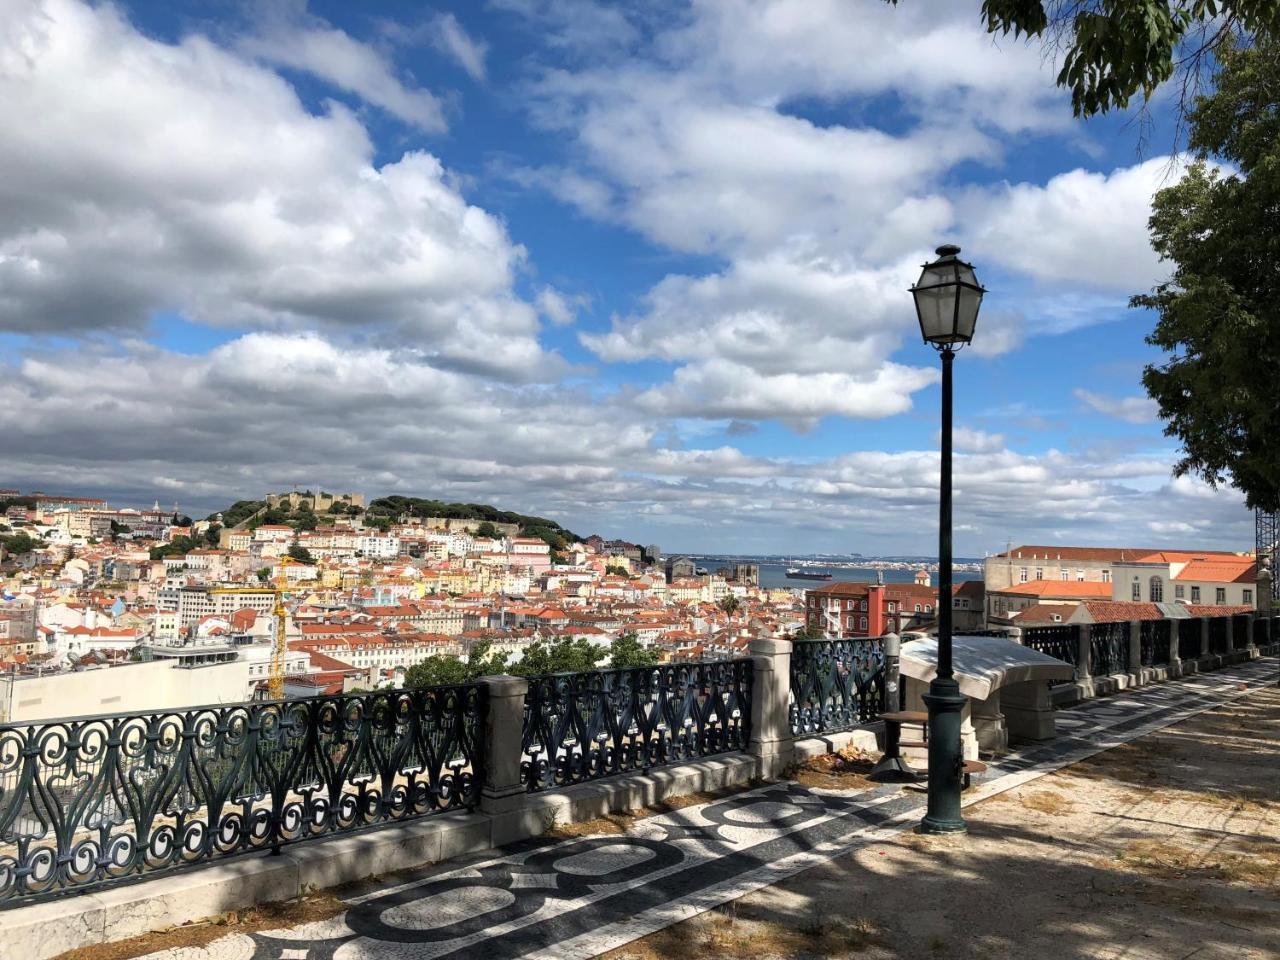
(1267, 545)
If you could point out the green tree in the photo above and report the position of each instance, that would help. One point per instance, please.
(561, 655)
(627, 651)
(211, 534)
(300, 553)
(730, 604)
(19, 543)
(486, 529)
(616, 571)
(1114, 50)
(1219, 312)
(446, 668)
(263, 574)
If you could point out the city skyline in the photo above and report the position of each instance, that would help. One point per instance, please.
(612, 266)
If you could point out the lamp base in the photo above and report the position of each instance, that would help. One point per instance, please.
(946, 760)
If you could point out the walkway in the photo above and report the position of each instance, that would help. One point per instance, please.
(580, 897)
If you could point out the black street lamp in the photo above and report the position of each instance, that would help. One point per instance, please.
(947, 297)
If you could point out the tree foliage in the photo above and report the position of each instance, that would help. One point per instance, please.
(300, 553)
(1115, 50)
(627, 651)
(446, 668)
(1219, 313)
(17, 544)
(561, 655)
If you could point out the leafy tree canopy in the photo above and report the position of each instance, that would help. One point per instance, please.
(446, 668)
(627, 651)
(300, 553)
(1114, 50)
(395, 507)
(1219, 312)
(17, 544)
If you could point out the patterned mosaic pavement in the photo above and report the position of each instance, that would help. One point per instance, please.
(580, 897)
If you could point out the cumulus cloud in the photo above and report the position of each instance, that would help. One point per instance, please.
(1081, 228)
(308, 43)
(138, 177)
(1128, 409)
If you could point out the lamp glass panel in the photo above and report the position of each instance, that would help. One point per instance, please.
(936, 309)
(967, 316)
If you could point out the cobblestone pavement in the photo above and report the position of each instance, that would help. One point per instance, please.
(583, 896)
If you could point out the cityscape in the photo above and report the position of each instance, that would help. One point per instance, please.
(571, 479)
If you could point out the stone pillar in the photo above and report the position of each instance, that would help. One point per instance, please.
(1250, 641)
(504, 726)
(1083, 673)
(1014, 634)
(1231, 636)
(1135, 650)
(1175, 658)
(1204, 637)
(771, 738)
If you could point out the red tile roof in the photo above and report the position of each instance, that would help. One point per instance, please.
(1060, 589)
(1238, 570)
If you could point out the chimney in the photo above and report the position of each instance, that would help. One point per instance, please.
(875, 611)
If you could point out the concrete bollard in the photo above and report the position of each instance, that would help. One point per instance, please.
(1135, 650)
(772, 742)
(502, 791)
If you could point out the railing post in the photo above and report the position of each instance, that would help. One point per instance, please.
(1083, 653)
(1135, 650)
(1204, 637)
(771, 738)
(502, 790)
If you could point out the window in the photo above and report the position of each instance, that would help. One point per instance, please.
(1195, 594)
(1022, 575)
(1157, 590)
(1220, 595)
(1066, 574)
(862, 622)
(1080, 576)
(917, 608)
(1246, 596)
(892, 607)
(1179, 591)
(1137, 590)
(1106, 576)
(1039, 573)
(929, 609)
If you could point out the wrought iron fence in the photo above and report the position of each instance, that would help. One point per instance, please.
(584, 726)
(1155, 642)
(1189, 631)
(1261, 625)
(1240, 624)
(1108, 648)
(1058, 642)
(836, 684)
(1219, 641)
(89, 801)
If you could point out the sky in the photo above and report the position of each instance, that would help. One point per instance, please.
(641, 267)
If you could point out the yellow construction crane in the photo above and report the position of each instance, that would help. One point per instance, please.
(280, 647)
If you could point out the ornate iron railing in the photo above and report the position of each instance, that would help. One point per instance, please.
(1219, 642)
(584, 726)
(1189, 638)
(836, 684)
(1155, 642)
(1260, 635)
(1240, 624)
(89, 801)
(1108, 648)
(1058, 642)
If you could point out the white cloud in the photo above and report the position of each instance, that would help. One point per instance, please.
(454, 40)
(559, 308)
(970, 440)
(138, 177)
(308, 43)
(1129, 409)
(1084, 229)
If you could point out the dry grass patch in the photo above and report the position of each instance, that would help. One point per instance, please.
(1048, 801)
(845, 770)
(267, 916)
(722, 933)
(618, 823)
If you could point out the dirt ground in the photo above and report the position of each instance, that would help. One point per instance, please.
(1168, 847)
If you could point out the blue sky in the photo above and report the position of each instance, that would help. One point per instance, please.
(641, 267)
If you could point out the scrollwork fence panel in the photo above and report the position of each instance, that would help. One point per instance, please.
(1108, 648)
(1219, 642)
(836, 684)
(1240, 624)
(88, 801)
(1059, 642)
(1155, 642)
(598, 723)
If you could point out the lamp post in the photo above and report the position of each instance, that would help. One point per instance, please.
(947, 297)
